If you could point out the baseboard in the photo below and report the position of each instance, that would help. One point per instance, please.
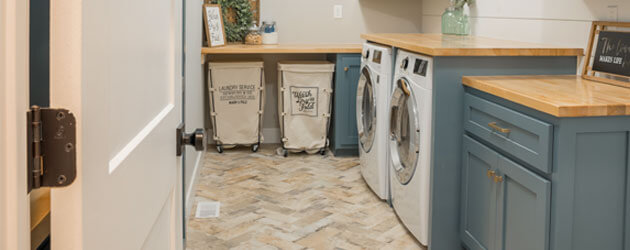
(191, 187)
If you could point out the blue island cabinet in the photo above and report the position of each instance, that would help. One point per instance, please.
(343, 132)
(448, 127)
(534, 181)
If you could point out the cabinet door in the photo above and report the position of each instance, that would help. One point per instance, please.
(523, 207)
(345, 136)
(478, 195)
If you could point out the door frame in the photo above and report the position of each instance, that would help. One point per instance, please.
(14, 201)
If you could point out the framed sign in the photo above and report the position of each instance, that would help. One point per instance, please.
(613, 53)
(608, 54)
(215, 32)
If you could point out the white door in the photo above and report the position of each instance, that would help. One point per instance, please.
(116, 64)
(14, 201)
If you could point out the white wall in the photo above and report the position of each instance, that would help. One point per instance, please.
(311, 21)
(195, 92)
(556, 22)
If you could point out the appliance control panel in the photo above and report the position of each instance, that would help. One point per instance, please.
(420, 67)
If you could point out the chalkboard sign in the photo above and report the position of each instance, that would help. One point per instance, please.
(612, 54)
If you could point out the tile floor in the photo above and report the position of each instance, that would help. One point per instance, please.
(299, 202)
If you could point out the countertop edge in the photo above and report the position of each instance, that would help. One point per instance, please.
(351, 48)
(418, 48)
(560, 111)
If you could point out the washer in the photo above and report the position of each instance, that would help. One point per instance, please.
(410, 141)
(373, 93)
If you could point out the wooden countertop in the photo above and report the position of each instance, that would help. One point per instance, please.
(453, 45)
(560, 95)
(283, 49)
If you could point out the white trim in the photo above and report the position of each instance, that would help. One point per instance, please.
(122, 155)
(193, 182)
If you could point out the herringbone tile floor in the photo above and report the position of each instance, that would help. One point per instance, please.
(299, 202)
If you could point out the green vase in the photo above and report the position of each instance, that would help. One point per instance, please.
(455, 22)
(449, 21)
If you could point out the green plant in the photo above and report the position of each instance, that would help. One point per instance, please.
(460, 3)
(237, 17)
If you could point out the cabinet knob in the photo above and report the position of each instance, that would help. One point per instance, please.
(345, 69)
(491, 173)
(498, 179)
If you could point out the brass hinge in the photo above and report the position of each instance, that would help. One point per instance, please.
(51, 146)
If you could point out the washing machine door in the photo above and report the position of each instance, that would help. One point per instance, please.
(404, 140)
(366, 110)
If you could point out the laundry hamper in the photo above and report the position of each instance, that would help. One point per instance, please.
(304, 105)
(237, 98)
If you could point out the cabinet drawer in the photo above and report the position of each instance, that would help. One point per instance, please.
(520, 135)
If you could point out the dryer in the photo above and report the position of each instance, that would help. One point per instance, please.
(410, 141)
(372, 116)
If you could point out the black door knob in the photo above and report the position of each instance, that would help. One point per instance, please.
(195, 139)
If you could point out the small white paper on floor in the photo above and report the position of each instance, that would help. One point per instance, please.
(208, 209)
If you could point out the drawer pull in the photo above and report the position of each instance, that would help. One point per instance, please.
(491, 173)
(498, 179)
(345, 69)
(496, 127)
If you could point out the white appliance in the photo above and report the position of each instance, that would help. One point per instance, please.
(373, 93)
(410, 141)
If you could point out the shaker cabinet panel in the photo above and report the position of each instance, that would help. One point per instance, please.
(518, 134)
(344, 136)
(478, 195)
(504, 205)
(523, 207)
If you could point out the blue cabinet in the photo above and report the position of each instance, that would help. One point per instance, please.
(523, 204)
(343, 134)
(479, 199)
(449, 122)
(504, 205)
(570, 191)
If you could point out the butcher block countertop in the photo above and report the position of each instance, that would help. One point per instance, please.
(558, 95)
(453, 45)
(283, 49)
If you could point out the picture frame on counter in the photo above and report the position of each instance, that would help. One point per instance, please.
(213, 19)
(608, 53)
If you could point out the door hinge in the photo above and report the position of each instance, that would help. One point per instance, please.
(51, 135)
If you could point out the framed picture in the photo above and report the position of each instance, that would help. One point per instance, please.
(608, 54)
(215, 32)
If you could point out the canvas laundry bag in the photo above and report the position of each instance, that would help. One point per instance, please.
(304, 104)
(237, 98)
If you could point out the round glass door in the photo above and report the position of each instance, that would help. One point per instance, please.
(404, 140)
(366, 110)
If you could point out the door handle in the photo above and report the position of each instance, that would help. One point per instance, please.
(345, 69)
(404, 87)
(496, 127)
(195, 139)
